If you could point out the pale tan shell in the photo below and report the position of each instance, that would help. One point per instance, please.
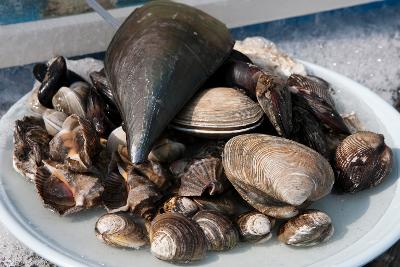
(254, 227)
(120, 230)
(362, 161)
(70, 101)
(220, 232)
(116, 139)
(175, 238)
(219, 112)
(276, 175)
(306, 229)
(53, 120)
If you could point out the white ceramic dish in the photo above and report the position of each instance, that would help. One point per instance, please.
(366, 223)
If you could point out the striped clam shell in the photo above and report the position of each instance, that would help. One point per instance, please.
(276, 176)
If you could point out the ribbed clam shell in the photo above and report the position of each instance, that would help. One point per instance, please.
(120, 230)
(254, 227)
(53, 120)
(220, 232)
(183, 205)
(219, 111)
(276, 175)
(30, 145)
(362, 161)
(202, 175)
(166, 151)
(70, 101)
(175, 238)
(64, 191)
(306, 229)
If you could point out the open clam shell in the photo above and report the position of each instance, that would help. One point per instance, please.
(275, 175)
(218, 112)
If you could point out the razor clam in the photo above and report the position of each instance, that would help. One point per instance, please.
(148, 72)
(53, 120)
(121, 230)
(276, 176)
(183, 205)
(309, 228)
(166, 150)
(175, 238)
(77, 144)
(71, 101)
(218, 112)
(362, 161)
(220, 232)
(64, 191)
(315, 92)
(31, 146)
(254, 227)
(202, 176)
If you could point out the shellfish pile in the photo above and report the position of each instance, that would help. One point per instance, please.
(188, 144)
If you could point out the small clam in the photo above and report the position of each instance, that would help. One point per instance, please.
(166, 151)
(175, 238)
(275, 175)
(309, 228)
(362, 161)
(254, 227)
(315, 92)
(71, 101)
(120, 230)
(183, 205)
(218, 112)
(203, 175)
(53, 121)
(116, 139)
(64, 191)
(31, 146)
(220, 232)
(134, 193)
(77, 143)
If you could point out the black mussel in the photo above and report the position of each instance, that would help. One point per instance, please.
(315, 92)
(100, 83)
(39, 71)
(95, 113)
(237, 55)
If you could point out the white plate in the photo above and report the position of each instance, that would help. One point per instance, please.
(366, 223)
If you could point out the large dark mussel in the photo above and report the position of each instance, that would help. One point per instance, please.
(157, 60)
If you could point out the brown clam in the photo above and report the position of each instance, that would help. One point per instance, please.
(175, 238)
(275, 175)
(166, 151)
(121, 230)
(64, 191)
(31, 146)
(254, 227)
(362, 161)
(220, 232)
(202, 175)
(222, 204)
(218, 112)
(309, 228)
(77, 143)
(183, 205)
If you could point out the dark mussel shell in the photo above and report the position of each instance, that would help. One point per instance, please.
(95, 113)
(315, 92)
(157, 60)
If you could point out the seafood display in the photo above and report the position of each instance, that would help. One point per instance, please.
(192, 144)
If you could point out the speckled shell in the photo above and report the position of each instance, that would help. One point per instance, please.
(183, 205)
(276, 175)
(306, 229)
(157, 60)
(220, 232)
(71, 101)
(219, 112)
(203, 176)
(64, 191)
(254, 227)
(53, 120)
(120, 230)
(175, 238)
(362, 161)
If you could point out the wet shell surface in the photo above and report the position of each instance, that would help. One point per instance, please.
(362, 161)
(71, 101)
(53, 120)
(254, 227)
(307, 229)
(183, 205)
(203, 175)
(175, 238)
(276, 175)
(121, 230)
(166, 151)
(220, 232)
(219, 112)
(116, 139)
